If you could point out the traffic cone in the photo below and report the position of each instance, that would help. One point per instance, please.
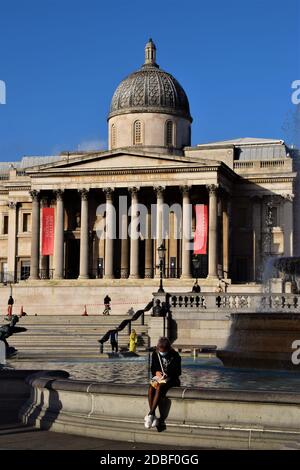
(85, 314)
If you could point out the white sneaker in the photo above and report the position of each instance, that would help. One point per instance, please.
(155, 422)
(148, 421)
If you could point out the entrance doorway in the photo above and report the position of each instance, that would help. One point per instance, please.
(72, 258)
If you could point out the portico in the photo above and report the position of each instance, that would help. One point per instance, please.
(95, 198)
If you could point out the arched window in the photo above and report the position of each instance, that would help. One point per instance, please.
(137, 133)
(169, 133)
(113, 136)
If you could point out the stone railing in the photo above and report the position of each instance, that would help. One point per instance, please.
(259, 165)
(234, 302)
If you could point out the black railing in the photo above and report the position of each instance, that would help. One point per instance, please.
(124, 323)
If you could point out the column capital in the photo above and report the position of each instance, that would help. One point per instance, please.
(185, 190)
(35, 195)
(12, 204)
(159, 190)
(84, 193)
(59, 193)
(134, 190)
(288, 197)
(108, 193)
(212, 189)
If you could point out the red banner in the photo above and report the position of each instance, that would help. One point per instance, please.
(200, 237)
(47, 231)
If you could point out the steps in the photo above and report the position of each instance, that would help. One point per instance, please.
(71, 336)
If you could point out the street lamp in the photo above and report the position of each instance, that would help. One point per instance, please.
(161, 256)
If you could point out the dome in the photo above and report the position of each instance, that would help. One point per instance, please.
(150, 90)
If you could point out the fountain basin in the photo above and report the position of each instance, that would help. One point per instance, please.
(262, 341)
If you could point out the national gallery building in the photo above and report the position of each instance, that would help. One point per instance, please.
(249, 187)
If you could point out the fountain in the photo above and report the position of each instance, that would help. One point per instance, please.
(266, 339)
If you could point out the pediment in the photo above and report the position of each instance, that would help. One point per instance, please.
(117, 160)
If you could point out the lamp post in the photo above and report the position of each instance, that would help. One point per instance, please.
(161, 256)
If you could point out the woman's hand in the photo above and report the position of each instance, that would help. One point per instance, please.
(158, 374)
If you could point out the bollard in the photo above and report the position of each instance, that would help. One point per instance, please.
(21, 311)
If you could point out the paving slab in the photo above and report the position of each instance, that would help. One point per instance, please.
(14, 436)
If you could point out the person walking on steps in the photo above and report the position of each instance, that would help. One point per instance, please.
(107, 308)
(166, 370)
(114, 341)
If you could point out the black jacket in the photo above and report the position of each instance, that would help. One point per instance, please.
(171, 364)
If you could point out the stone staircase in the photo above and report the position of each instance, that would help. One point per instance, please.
(71, 336)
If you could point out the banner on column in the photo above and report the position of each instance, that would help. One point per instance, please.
(47, 231)
(200, 237)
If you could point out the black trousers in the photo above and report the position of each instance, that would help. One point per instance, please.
(114, 346)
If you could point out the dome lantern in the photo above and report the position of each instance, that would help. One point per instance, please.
(150, 54)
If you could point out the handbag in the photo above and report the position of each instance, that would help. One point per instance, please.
(156, 381)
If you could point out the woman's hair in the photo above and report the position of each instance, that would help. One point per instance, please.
(164, 343)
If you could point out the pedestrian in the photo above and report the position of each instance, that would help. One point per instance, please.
(196, 287)
(10, 304)
(133, 339)
(166, 370)
(107, 307)
(114, 341)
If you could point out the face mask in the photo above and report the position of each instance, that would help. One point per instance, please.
(162, 353)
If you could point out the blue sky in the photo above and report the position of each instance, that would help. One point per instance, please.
(61, 61)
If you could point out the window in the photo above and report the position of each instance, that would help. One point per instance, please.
(4, 272)
(5, 224)
(25, 270)
(169, 134)
(242, 269)
(274, 216)
(113, 136)
(137, 133)
(26, 222)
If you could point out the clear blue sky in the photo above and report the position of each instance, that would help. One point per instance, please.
(62, 60)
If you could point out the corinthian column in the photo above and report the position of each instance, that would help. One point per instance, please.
(123, 220)
(109, 235)
(59, 236)
(84, 235)
(35, 235)
(148, 247)
(212, 232)
(134, 235)
(12, 239)
(288, 224)
(186, 233)
(159, 222)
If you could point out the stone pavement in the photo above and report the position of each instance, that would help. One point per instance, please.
(15, 436)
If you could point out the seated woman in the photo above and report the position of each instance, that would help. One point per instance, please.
(166, 370)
